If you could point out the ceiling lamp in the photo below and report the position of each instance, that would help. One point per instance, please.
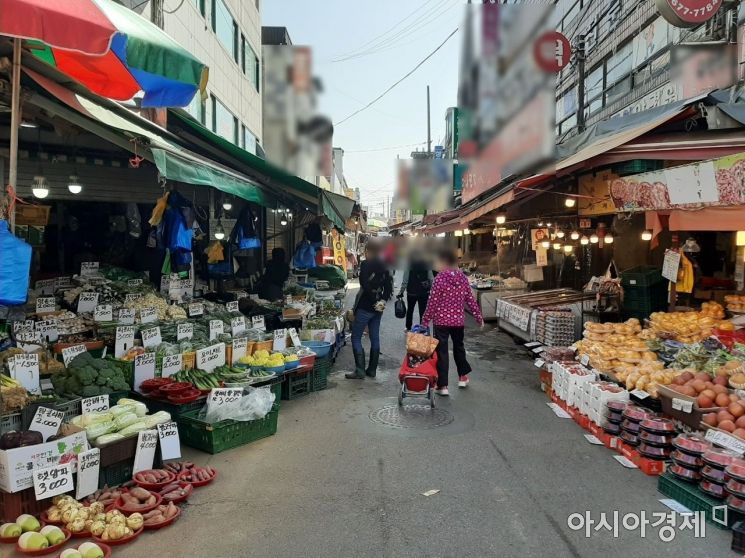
(560, 234)
(40, 188)
(466, 231)
(584, 241)
(28, 124)
(691, 246)
(458, 233)
(501, 219)
(570, 202)
(540, 223)
(594, 238)
(608, 239)
(568, 248)
(574, 235)
(74, 185)
(739, 238)
(647, 235)
(227, 206)
(557, 245)
(219, 231)
(546, 244)
(283, 221)
(548, 224)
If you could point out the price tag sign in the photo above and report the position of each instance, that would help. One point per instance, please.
(238, 324)
(537, 350)
(539, 363)
(88, 268)
(26, 326)
(640, 393)
(223, 396)
(148, 315)
(258, 322)
(45, 305)
(97, 404)
(46, 421)
(253, 297)
(211, 357)
(125, 340)
(126, 316)
(294, 337)
(725, 440)
(288, 299)
(584, 360)
(171, 365)
(103, 313)
(170, 445)
(25, 369)
(232, 306)
(151, 337)
(280, 339)
(240, 344)
(46, 286)
(682, 405)
(89, 463)
(144, 369)
(131, 298)
(62, 283)
(180, 288)
(196, 309)
(532, 344)
(165, 282)
(216, 328)
(52, 481)
(71, 352)
(184, 331)
(87, 302)
(134, 282)
(147, 441)
(47, 330)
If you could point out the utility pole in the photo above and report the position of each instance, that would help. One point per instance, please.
(429, 133)
(156, 12)
(580, 51)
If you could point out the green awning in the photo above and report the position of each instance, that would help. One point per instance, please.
(337, 208)
(179, 168)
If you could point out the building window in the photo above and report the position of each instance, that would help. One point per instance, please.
(248, 141)
(199, 5)
(197, 109)
(619, 65)
(250, 63)
(224, 123)
(225, 27)
(594, 90)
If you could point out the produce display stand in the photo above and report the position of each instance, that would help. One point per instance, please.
(487, 299)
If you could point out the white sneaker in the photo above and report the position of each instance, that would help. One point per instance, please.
(443, 391)
(463, 381)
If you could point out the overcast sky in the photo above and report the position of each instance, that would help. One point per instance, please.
(339, 28)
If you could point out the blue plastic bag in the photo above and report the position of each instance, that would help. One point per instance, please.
(16, 265)
(305, 256)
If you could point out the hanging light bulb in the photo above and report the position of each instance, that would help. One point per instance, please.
(739, 238)
(74, 185)
(584, 241)
(227, 206)
(40, 188)
(570, 202)
(568, 248)
(574, 235)
(219, 231)
(540, 223)
(557, 245)
(283, 221)
(466, 231)
(647, 235)
(548, 224)
(458, 233)
(501, 219)
(594, 238)
(546, 244)
(608, 239)
(560, 234)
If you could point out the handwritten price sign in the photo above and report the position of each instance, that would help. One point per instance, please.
(147, 441)
(98, 404)
(47, 422)
(170, 445)
(89, 463)
(52, 481)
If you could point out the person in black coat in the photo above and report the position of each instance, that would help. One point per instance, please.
(276, 273)
(416, 283)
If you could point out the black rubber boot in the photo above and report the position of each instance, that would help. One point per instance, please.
(359, 367)
(372, 367)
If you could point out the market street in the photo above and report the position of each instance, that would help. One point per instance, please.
(332, 482)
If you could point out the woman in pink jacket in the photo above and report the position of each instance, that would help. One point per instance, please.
(448, 299)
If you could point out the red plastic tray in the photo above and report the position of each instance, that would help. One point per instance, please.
(121, 506)
(713, 489)
(685, 474)
(196, 483)
(692, 444)
(165, 523)
(43, 516)
(187, 396)
(125, 540)
(103, 546)
(44, 551)
(719, 458)
(686, 460)
(174, 388)
(153, 486)
(736, 471)
(81, 535)
(713, 474)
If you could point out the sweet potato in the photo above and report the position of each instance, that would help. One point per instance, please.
(151, 500)
(171, 510)
(129, 500)
(140, 493)
(169, 488)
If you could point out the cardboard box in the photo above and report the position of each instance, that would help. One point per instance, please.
(328, 335)
(16, 465)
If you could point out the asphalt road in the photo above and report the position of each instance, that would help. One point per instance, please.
(338, 480)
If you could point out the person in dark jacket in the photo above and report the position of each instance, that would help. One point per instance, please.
(275, 274)
(376, 287)
(416, 283)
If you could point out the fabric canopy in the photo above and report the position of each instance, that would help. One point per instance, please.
(337, 208)
(706, 219)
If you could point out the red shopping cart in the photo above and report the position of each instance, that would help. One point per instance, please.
(418, 376)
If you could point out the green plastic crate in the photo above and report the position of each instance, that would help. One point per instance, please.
(155, 405)
(321, 370)
(297, 384)
(116, 474)
(642, 276)
(226, 434)
(691, 497)
(11, 421)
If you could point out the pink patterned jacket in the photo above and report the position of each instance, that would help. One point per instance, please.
(448, 299)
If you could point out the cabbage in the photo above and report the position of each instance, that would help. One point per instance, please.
(119, 409)
(107, 439)
(89, 419)
(93, 431)
(140, 409)
(160, 417)
(124, 421)
(134, 428)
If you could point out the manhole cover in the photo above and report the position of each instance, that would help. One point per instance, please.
(411, 416)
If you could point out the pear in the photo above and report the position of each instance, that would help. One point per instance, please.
(28, 523)
(10, 530)
(33, 541)
(90, 550)
(53, 534)
(70, 553)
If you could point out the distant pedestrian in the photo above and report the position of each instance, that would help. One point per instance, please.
(448, 299)
(416, 283)
(376, 287)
